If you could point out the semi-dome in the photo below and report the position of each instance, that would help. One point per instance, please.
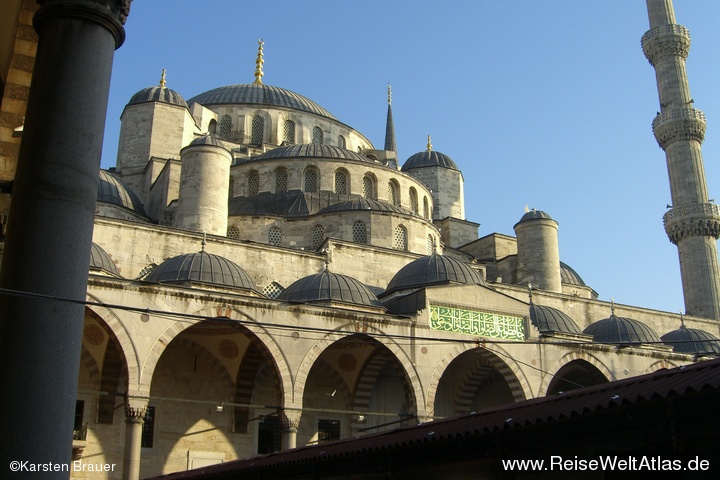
(207, 140)
(569, 275)
(621, 331)
(312, 150)
(201, 267)
(259, 94)
(366, 204)
(330, 287)
(429, 158)
(692, 341)
(549, 319)
(100, 260)
(158, 94)
(434, 270)
(113, 190)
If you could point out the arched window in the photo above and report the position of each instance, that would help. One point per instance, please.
(317, 135)
(318, 235)
(393, 193)
(231, 187)
(400, 240)
(413, 200)
(225, 127)
(273, 290)
(426, 208)
(212, 127)
(311, 180)
(289, 131)
(281, 180)
(253, 183)
(430, 244)
(233, 232)
(359, 231)
(341, 182)
(368, 187)
(341, 142)
(258, 130)
(275, 236)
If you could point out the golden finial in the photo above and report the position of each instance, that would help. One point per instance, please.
(429, 145)
(389, 94)
(162, 79)
(612, 307)
(527, 210)
(259, 63)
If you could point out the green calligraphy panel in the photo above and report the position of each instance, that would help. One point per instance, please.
(479, 324)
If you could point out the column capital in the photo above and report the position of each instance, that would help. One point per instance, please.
(135, 407)
(290, 418)
(110, 14)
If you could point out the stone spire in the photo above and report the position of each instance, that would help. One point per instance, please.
(693, 221)
(390, 126)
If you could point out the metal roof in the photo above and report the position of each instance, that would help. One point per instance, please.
(433, 270)
(329, 287)
(549, 319)
(204, 268)
(621, 331)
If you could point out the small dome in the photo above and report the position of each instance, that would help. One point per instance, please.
(329, 287)
(100, 260)
(201, 267)
(570, 276)
(113, 190)
(433, 270)
(692, 341)
(535, 214)
(429, 158)
(621, 331)
(254, 94)
(362, 203)
(549, 319)
(158, 94)
(207, 140)
(312, 150)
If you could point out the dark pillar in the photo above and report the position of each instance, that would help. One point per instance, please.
(50, 228)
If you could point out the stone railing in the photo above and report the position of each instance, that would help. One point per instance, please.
(695, 219)
(684, 123)
(670, 39)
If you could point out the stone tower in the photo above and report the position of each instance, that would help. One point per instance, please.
(693, 222)
(204, 183)
(538, 254)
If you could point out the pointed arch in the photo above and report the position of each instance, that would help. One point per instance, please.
(567, 359)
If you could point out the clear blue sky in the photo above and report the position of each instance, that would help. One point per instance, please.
(540, 103)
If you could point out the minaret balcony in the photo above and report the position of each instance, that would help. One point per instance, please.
(692, 220)
(676, 124)
(666, 40)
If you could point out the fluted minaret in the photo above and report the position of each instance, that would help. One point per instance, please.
(693, 222)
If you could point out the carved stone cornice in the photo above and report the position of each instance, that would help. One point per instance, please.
(135, 408)
(692, 220)
(678, 124)
(666, 40)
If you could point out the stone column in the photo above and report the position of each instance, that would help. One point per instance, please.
(50, 228)
(135, 409)
(290, 422)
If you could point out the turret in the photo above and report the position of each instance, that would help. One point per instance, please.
(538, 257)
(204, 183)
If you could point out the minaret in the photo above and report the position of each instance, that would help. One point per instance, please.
(693, 221)
(390, 144)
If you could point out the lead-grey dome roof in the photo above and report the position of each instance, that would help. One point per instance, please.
(100, 260)
(158, 94)
(204, 268)
(429, 158)
(692, 341)
(312, 150)
(113, 190)
(621, 331)
(434, 270)
(366, 204)
(254, 94)
(535, 214)
(549, 319)
(569, 275)
(329, 287)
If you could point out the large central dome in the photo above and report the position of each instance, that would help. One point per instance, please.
(258, 94)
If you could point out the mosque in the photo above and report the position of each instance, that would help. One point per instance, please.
(263, 276)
